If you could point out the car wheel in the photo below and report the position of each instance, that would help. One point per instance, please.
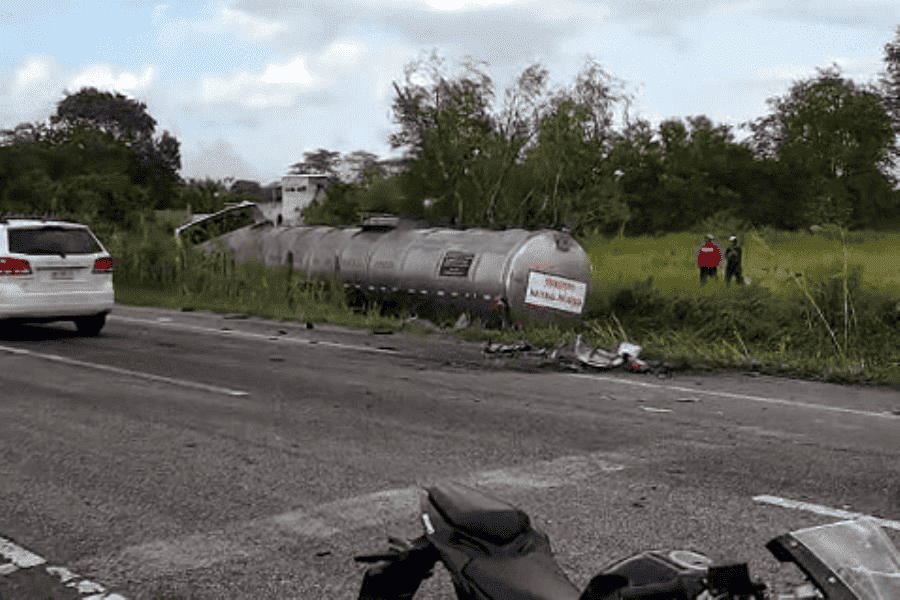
(92, 325)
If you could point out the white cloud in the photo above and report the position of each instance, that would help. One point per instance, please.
(784, 73)
(226, 21)
(277, 85)
(467, 5)
(104, 76)
(37, 70)
(342, 53)
(256, 27)
(292, 73)
(282, 84)
(39, 82)
(159, 13)
(35, 88)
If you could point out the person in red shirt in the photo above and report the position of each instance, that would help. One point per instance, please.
(708, 258)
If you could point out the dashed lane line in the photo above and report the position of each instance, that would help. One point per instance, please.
(18, 558)
(820, 509)
(185, 383)
(247, 335)
(747, 397)
(259, 536)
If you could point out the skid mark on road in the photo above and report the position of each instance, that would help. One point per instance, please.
(265, 535)
(247, 335)
(72, 362)
(820, 509)
(745, 397)
(16, 558)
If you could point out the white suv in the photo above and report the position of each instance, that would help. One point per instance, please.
(54, 271)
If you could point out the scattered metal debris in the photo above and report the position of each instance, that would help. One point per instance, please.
(626, 354)
(462, 322)
(498, 348)
(580, 356)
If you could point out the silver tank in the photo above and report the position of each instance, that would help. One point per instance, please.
(528, 275)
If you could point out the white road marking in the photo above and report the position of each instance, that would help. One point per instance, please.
(826, 511)
(251, 336)
(761, 399)
(21, 558)
(18, 555)
(653, 409)
(259, 536)
(125, 372)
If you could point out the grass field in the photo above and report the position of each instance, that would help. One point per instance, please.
(769, 259)
(824, 304)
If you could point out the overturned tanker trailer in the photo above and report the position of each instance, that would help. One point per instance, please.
(515, 274)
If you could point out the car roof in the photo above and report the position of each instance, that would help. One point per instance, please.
(32, 222)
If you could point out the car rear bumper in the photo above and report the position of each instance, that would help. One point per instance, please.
(54, 305)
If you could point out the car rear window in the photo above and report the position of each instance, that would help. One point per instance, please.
(52, 240)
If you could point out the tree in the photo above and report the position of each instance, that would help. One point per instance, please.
(831, 138)
(890, 92)
(155, 160)
(571, 183)
(25, 133)
(890, 79)
(203, 195)
(445, 124)
(363, 166)
(113, 113)
(320, 161)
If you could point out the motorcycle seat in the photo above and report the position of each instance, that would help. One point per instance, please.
(477, 514)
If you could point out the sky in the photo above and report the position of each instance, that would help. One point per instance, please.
(247, 86)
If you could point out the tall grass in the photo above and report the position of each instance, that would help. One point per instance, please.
(152, 269)
(827, 304)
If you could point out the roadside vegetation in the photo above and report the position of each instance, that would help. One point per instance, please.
(811, 191)
(814, 316)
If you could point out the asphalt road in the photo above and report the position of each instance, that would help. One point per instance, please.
(187, 455)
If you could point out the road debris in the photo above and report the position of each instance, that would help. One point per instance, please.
(625, 354)
(514, 348)
(462, 322)
(581, 355)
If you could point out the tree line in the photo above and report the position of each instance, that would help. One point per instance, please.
(573, 157)
(531, 155)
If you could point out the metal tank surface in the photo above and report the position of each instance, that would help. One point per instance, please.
(516, 274)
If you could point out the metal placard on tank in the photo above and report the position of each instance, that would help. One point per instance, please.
(456, 264)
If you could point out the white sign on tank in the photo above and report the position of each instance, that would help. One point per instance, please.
(553, 291)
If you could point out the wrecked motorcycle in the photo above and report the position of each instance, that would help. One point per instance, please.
(492, 552)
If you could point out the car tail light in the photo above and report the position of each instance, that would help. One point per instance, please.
(103, 265)
(14, 266)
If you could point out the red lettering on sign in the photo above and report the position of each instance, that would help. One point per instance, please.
(560, 285)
